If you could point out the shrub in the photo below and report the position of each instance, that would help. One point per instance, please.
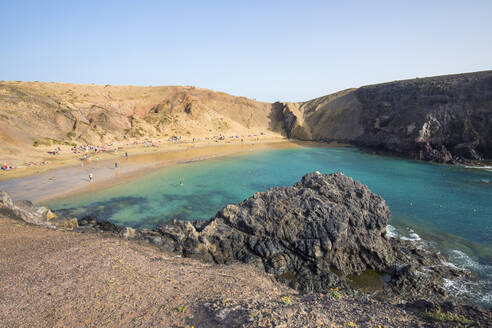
(335, 293)
(438, 315)
(286, 300)
(180, 309)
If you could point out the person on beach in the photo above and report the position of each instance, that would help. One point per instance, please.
(126, 154)
(91, 177)
(115, 165)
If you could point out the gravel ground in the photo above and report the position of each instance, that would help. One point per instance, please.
(52, 278)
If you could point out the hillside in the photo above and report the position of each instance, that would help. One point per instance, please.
(35, 115)
(444, 118)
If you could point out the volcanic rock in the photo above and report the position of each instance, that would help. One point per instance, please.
(443, 119)
(37, 215)
(308, 235)
(313, 236)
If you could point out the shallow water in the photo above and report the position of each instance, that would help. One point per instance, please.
(450, 206)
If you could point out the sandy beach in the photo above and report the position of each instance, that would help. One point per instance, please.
(70, 176)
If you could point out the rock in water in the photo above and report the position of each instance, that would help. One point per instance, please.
(307, 235)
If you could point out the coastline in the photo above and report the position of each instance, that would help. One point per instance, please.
(65, 180)
(96, 278)
(66, 157)
(446, 267)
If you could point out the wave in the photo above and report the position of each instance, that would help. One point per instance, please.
(484, 167)
(476, 290)
(479, 290)
(393, 233)
(466, 262)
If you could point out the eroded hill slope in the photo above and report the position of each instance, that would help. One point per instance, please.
(35, 113)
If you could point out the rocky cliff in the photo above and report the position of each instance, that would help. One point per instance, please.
(443, 118)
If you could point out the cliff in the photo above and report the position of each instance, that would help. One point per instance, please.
(444, 118)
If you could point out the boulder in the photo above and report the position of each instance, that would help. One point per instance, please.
(33, 214)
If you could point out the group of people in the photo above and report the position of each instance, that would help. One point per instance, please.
(87, 148)
(56, 151)
(6, 167)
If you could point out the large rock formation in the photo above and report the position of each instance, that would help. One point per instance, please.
(321, 233)
(301, 234)
(315, 235)
(442, 119)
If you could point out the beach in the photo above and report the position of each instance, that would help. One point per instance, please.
(71, 175)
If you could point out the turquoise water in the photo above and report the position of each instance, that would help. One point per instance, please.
(450, 206)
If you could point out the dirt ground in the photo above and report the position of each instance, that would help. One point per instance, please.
(52, 278)
(61, 279)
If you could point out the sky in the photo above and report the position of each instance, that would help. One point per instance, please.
(264, 50)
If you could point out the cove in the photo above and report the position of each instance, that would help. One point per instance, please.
(448, 205)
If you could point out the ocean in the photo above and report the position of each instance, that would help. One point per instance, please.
(447, 207)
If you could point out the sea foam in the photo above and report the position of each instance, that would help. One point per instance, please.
(393, 233)
(479, 290)
(466, 262)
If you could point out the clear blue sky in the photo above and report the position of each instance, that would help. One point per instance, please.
(268, 50)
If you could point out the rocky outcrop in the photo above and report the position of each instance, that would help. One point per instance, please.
(313, 236)
(442, 119)
(318, 234)
(306, 235)
(37, 215)
(292, 121)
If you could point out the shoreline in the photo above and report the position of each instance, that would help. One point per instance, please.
(67, 157)
(69, 180)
